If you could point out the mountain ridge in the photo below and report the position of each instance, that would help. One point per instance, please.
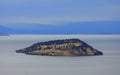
(102, 27)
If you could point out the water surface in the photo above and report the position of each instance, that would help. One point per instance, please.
(12, 63)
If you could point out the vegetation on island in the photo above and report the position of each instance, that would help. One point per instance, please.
(67, 47)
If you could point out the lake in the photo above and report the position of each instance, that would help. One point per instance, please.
(12, 63)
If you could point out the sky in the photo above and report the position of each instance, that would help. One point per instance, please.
(58, 11)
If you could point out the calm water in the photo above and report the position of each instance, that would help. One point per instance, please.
(12, 63)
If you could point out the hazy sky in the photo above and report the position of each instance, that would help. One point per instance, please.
(57, 11)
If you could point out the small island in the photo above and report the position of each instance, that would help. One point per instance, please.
(67, 47)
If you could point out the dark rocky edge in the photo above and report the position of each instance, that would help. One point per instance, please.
(67, 47)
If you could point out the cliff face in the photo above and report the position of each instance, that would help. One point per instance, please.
(68, 47)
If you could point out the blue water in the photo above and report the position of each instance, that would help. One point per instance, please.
(12, 63)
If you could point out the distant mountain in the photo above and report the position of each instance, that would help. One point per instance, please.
(5, 30)
(3, 34)
(98, 27)
(32, 28)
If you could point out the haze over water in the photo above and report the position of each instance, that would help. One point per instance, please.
(12, 63)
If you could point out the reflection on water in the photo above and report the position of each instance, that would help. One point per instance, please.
(12, 63)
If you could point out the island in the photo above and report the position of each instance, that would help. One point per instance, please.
(66, 47)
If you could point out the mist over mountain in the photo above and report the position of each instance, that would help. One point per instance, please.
(98, 27)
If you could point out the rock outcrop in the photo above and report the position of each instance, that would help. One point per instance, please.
(67, 47)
